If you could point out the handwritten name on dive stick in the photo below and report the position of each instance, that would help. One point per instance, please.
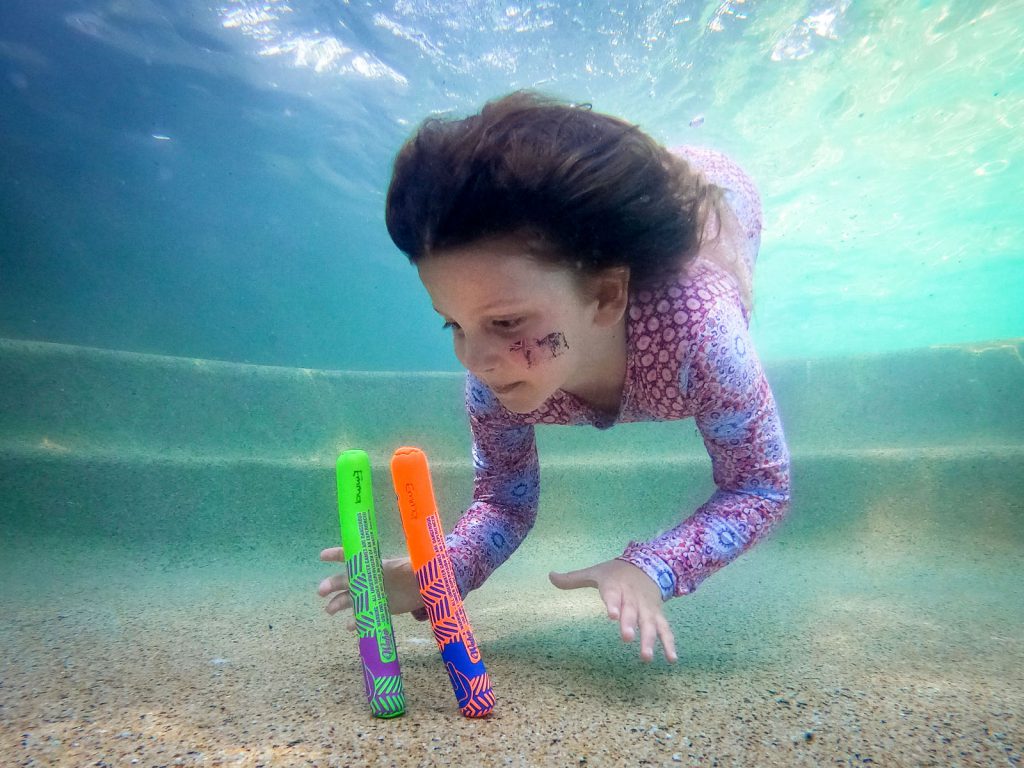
(411, 475)
(381, 672)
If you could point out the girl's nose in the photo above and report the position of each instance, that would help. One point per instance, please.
(478, 356)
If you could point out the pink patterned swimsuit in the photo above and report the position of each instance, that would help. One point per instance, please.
(689, 354)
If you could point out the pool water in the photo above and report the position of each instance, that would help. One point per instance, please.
(200, 308)
(207, 180)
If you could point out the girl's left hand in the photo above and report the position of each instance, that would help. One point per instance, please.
(631, 598)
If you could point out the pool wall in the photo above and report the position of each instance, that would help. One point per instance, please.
(211, 455)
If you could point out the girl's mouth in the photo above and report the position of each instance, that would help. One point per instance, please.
(506, 389)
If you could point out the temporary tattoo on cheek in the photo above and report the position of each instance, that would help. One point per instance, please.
(538, 351)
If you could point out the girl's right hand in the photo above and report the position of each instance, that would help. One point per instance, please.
(399, 582)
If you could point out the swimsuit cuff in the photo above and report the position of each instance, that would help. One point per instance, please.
(651, 564)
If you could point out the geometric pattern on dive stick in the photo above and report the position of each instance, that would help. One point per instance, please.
(388, 699)
(436, 602)
(359, 590)
(475, 696)
(481, 697)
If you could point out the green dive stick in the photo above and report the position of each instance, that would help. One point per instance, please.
(381, 672)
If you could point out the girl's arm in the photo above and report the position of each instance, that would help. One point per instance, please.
(506, 490)
(738, 418)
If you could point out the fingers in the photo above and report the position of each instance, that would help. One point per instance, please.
(340, 602)
(574, 579)
(333, 555)
(648, 633)
(631, 599)
(613, 602)
(652, 625)
(627, 622)
(336, 583)
(338, 586)
(668, 641)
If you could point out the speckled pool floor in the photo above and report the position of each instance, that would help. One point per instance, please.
(789, 658)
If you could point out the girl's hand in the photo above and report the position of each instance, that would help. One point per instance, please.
(399, 583)
(631, 598)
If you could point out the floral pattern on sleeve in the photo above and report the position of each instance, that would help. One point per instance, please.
(721, 381)
(506, 489)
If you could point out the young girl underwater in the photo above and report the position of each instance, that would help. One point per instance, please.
(589, 276)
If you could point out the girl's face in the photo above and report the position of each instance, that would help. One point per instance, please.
(522, 326)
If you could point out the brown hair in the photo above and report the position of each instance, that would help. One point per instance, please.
(590, 190)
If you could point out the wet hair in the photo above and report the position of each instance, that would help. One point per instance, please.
(583, 188)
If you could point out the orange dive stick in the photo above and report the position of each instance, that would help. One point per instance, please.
(425, 538)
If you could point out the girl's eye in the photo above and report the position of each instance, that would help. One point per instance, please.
(449, 325)
(508, 325)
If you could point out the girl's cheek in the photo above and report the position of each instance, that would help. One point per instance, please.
(460, 352)
(532, 351)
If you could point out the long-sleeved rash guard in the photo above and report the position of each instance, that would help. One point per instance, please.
(688, 354)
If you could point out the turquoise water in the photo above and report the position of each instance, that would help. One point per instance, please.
(207, 180)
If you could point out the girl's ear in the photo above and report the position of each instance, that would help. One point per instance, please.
(610, 289)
